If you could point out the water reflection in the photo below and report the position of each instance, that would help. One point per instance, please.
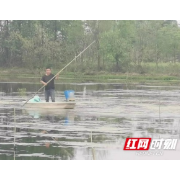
(50, 114)
(69, 136)
(96, 129)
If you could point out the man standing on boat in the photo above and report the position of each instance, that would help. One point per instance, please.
(49, 88)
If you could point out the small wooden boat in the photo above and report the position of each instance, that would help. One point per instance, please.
(45, 111)
(51, 105)
(46, 105)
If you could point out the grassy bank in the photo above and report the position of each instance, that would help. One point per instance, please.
(25, 75)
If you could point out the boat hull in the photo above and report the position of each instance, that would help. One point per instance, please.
(51, 105)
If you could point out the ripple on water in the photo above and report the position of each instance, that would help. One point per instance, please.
(96, 128)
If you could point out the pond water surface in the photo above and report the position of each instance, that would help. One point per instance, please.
(105, 114)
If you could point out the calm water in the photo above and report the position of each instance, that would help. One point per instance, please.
(104, 116)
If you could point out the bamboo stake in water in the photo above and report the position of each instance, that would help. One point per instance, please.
(14, 133)
(93, 153)
(60, 71)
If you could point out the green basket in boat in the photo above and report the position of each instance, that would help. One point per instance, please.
(35, 99)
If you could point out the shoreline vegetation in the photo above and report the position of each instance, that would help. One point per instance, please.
(30, 76)
(124, 51)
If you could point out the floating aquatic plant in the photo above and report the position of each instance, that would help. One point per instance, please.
(22, 91)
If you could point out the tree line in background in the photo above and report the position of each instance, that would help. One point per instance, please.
(121, 46)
